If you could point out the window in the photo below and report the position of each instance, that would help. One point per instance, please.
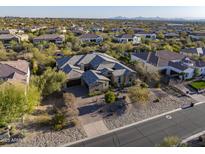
(119, 80)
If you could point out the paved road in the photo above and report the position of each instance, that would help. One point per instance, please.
(183, 123)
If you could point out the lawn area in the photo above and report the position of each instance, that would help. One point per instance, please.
(198, 84)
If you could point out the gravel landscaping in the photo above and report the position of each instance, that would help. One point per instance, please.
(51, 138)
(166, 103)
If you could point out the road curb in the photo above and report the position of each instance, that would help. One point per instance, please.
(120, 128)
(126, 126)
(193, 136)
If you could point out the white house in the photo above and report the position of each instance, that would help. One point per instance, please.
(125, 38)
(151, 36)
(185, 68)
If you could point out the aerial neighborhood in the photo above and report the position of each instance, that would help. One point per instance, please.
(86, 77)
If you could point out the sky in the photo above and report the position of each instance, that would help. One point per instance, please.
(104, 11)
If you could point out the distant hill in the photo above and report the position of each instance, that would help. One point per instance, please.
(150, 18)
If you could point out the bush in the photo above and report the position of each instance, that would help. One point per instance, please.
(138, 94)
(94, 94)
(69, 99)
(143, 85)
(110, 97)
(171, 141)
(59, 121)
(74, 122)
(158, 85)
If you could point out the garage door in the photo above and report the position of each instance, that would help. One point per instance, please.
(74, 83)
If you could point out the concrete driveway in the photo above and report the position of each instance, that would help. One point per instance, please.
(184, 89)
(95, 128)
(78, 91)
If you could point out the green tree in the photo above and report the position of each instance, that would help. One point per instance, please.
(160, 35)
(50, 81)
(196, 72)
(110, 97)
(16, 102)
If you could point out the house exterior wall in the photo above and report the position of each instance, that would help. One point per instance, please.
(23, 37)
(96, 40)
(123, 80)
(202, 70)
(147, 36)
(56, 41)
(136, 40)
(28, 76)
(189, 73)
(98, 87)
(189, 54)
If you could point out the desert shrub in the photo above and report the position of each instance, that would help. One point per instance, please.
(158, 85)
(143, 85)
(172, 141)
(110, 97)
(69, 99)
(59, 121)
(139, 94)
(74, 122)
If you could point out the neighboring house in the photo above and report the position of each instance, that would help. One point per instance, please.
(54, 38)
(97, 29)
(6, 38)
(171, 63)
(96, 71)
(171, 35)
(158, 59)
(193, 52)
(89, 37)
(185, 68)
(4, 32)
(117, 30)
(15, 71)
(125, 38)
(151, 36)
(52, 30)
(36, 28)
(23, 37)
(197, 35)
(137, 30)
(78, 30)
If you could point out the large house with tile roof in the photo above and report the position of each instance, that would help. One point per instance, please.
(96, 71)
